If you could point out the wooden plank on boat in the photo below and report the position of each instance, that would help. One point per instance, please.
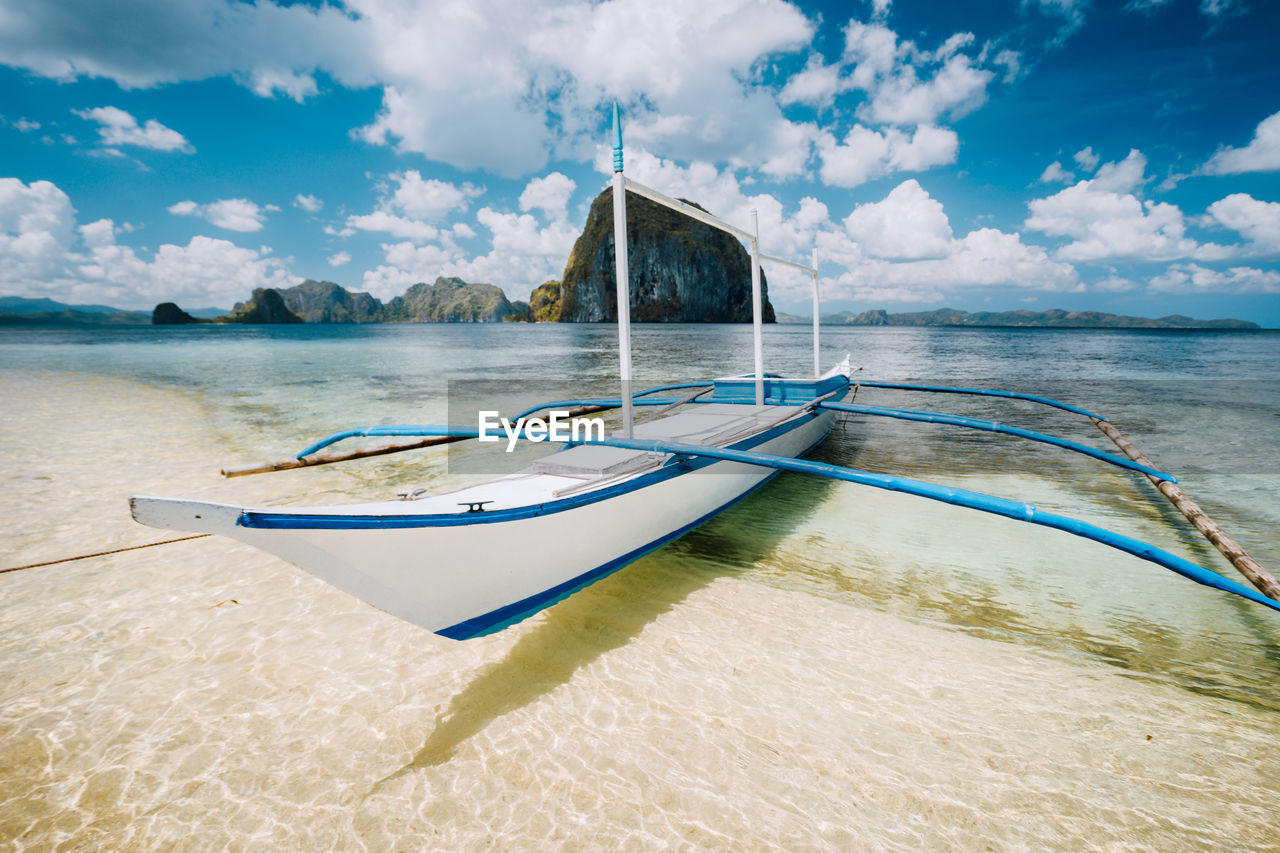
(1263, 580)
(330, 458)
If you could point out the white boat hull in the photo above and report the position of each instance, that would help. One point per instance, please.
(469, 579)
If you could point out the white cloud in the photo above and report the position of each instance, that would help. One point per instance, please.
(904, 85)
(266, 82)
(902, 249)
(1105, 219)
(818, 84)
(866, 154)
(529, 98)
(1262, 154)
(685, 69)
(37, 227)
(430, 199)
(1193, 278)
(1055, 174)
(955, 90)
(397, 226)
(908, 223)
(233, 214)
(22, 125)
(549, 194)
(44, 253)
(1221, 8)
(309, 203)
(141, 45)
(338, 259)
(117, 127)
(404, 213)
(1258, 221)
(1086, 159)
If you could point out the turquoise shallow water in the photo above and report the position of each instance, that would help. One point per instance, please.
(977, 681)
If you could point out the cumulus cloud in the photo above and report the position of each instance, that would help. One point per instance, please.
(429, 199)
(1257, 221)
(37, 227)
(528, 100)
(867, 154)
(309, 203)
(902, 249)
(409, 211)
(903, 84)
(1104, 218)
(233, 214)
(117, 127)
(44, 253)
(338, 259)
(1055, 174)
(268, 46)
(1193, 278)
(1262, 154)
(549, 194)
(908, 223)
(1086, 159)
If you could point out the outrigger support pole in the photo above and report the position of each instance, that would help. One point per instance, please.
(757, 311)
(1230, 548)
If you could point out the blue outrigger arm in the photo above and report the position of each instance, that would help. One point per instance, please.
(982, 392)
(995, 426)
(944, 494)
(874, 411)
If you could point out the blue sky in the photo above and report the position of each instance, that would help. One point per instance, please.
(1121, 157)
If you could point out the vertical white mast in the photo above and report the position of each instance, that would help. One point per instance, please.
(623, 278)
(757, 312)
(817, 365)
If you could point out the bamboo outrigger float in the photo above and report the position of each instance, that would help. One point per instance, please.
(475, 560)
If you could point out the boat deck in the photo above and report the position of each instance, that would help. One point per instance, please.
(585, 467)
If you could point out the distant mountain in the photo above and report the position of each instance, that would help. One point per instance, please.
(326, 302)
(1055, 318)
(25, 305)
(267, 305)
(21, 311)
(449, 300)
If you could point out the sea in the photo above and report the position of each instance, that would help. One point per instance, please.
(825, 666)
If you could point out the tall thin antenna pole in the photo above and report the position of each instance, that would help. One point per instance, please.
(757, 312)
(817, 365)
(623, 277)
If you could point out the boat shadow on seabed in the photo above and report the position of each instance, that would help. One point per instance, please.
(613, 611)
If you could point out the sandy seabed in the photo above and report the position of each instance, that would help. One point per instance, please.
(206, 696)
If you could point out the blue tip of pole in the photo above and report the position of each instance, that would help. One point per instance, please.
(617, 139)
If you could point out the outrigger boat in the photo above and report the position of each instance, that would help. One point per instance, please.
(478, 559)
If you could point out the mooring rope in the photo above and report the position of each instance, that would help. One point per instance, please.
(104, 553)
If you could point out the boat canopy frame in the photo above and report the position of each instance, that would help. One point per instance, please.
(621, 185)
